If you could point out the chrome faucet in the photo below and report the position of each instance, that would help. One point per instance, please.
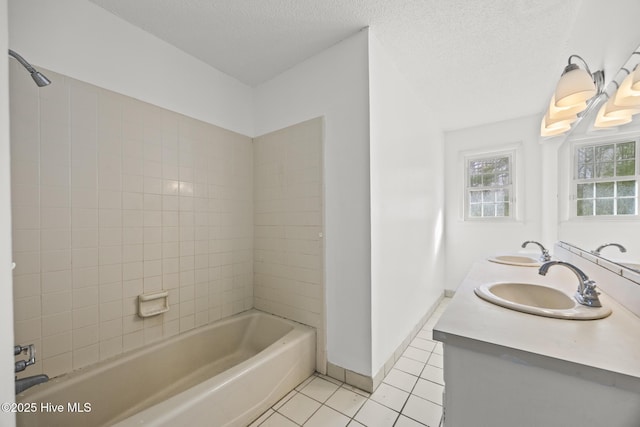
(21, 365)
(545, 253)
(586, 293)
(601, 247)
(24, 383)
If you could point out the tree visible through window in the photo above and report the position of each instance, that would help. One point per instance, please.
(489, 186)
(606, 179)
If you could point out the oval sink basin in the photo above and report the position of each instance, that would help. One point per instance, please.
(519, 260)
(539, 300)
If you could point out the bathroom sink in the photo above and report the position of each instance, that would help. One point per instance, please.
(539, 300)
(519, 260)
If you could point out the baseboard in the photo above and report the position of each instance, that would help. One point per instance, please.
(369, 384)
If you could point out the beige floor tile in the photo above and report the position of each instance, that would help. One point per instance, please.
(438, 349)
(346, 401)
(435, 360)
(423, 411)
(409, 366)
(319, 389)
(373, 414)
(390, 396)
(425, 334)
(262, 418)
(400, 380)
(433, 374)
(407, 422)
(416, 354)
(325, 417)
(277, 420)
(428, 390)
(423, 344)
(299, 408)
(284, 400)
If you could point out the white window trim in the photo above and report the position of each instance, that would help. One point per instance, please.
(514, 151)
(573, 181)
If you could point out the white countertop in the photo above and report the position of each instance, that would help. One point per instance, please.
(610, 345)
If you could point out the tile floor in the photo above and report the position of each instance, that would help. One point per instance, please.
(409, 396)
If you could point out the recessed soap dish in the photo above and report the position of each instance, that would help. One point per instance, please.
(153, 304)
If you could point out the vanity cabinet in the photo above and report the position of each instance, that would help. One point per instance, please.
(504, 368)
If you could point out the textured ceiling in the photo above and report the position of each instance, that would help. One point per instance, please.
(474, 61)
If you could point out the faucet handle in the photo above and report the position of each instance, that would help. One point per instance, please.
(588, 296)
(21, 365)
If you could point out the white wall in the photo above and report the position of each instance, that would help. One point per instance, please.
(6, 293)
(81, 40)
(407, 184)
(334, 84)
(468, 241)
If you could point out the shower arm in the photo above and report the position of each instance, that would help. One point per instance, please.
(22, 61)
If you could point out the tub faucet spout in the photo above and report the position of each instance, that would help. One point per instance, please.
(545, 253)
(24, 383)
(586, 293)
(601, 247)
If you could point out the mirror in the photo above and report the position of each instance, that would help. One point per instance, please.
(629, 271)
(595, 234)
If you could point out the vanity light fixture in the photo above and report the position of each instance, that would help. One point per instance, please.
(635, 80)
(626, 95)
(576, 87)
(604, 121)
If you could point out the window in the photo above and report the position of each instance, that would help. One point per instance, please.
(605, 179)
(489, 186)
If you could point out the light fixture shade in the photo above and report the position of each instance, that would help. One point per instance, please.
(635, 82)
(605, 122)
(553, 129)
(614, 111)
(574, 87)
(556, 114)
(625, 95)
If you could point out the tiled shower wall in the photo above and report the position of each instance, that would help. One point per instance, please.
(288, 257)
(113, 198)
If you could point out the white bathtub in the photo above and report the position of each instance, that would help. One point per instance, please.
(223, 374)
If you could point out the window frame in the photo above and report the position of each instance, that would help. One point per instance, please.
(575, 181)
(512, 152)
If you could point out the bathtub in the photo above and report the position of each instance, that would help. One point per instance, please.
(223, 374)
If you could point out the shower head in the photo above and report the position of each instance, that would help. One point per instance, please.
(36, 75)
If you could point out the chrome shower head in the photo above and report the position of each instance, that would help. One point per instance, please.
(36, 75)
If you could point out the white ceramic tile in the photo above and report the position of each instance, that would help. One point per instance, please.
(390, 396)
(409, 366)
(346, 401)
(326, 416)
(435, 360)
(354, 423)
(262, 418)
(373, 414)
(400, 380)
(408, 422)
(438, 349)
(423, 411)
(429, 390)
(416, 354)
(319, 389)
(433, 374)
(423, 344)
(299, 408)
